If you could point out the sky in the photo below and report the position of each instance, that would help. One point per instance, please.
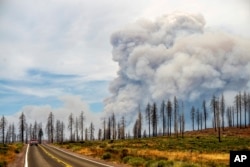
(56, 55)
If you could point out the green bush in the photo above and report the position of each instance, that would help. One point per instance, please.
(163, 163)
(186, 164)
(112, 150)
(126, 159)
(136, 161)
(160, 163)
(106, 156)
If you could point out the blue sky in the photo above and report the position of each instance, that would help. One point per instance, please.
(60, 49)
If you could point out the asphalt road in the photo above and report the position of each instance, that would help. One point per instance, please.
(46, 156)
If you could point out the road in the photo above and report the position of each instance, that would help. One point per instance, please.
(47, 156)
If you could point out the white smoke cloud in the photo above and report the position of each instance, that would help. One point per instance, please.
(175, 55)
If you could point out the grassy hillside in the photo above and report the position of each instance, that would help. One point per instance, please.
(197, 148)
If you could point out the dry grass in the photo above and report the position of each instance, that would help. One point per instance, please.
(9, 155)
(183, 155)
(196, 148)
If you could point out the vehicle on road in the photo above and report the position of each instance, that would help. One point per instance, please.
(33, 142)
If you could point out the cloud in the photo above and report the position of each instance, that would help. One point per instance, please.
(71, 104)
(175, 55)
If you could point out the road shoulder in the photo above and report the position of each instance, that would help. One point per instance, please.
(19, 160)
(89, 157)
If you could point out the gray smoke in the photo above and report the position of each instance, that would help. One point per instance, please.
(175, 55)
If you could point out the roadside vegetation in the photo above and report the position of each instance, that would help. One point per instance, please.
(8, 153)
(195, 149)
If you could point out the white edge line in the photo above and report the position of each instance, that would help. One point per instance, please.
(26, 156)
(80, 157)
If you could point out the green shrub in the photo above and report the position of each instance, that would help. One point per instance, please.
(160, 163)
(106, 156)
(112, 150)
(186, 164)
(163, 163)
(136, 161)
(126, 159)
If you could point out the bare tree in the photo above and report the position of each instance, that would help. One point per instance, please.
(163, 117)
(198, 118)
(135, 129)
(148, 117)
(154, 118)
(169, 111)
(109, 129)
(91, 131)
(205, 113)
(192, 116)
(245, 107)
(81, 124)
(139, 126)
(236, 101)
(3, 124)
(35, 130)
(240, 107)
(86, 134)
(50, 127)
(104, 129)
(40, 135)
(218, 119)
(71, 125)
(58, 131)
(248, 102)
(222, 110)
(76, 129)
(13, 134)
(22, 122)
(229, 116)
(176, 113)
(123, 124)
(182, 121)
(213, 106)
(113, 122)
(99, 134)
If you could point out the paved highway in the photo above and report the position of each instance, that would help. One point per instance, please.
(47, 156)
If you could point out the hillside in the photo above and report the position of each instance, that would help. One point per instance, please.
(197, 148)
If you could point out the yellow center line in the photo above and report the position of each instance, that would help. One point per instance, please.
(56, 158)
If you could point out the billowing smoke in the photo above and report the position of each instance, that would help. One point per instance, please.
(175, 55)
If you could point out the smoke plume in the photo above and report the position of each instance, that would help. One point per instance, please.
(175, 55)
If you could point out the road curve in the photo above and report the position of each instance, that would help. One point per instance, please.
(44, 155)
